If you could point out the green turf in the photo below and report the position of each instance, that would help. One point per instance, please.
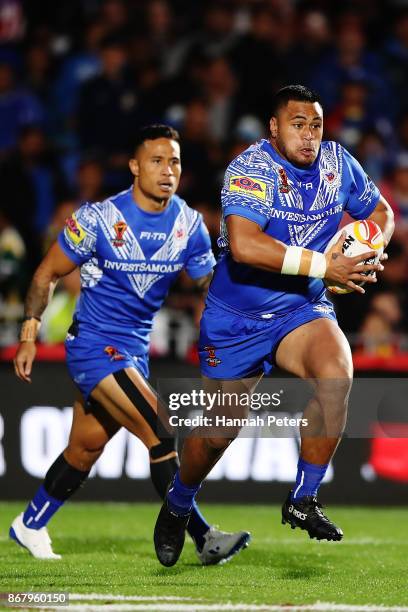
(107, 548)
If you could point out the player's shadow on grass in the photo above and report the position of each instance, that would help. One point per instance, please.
(300, 573)
(289, 566)
(168, 572)
(77, 545)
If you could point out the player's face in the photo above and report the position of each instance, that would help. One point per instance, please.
(297, 130)
(157, 168)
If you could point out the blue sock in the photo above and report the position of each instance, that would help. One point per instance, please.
(40, 509)
(197, 526)
(308, 479)
(180, 497)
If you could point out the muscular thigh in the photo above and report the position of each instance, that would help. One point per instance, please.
(233, 395)
(131, 402)
(317, 349)
(232, 401)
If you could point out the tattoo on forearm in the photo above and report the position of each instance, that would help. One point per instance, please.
(335, 255)
(38, 296)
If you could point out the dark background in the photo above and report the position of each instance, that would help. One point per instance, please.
(52, 387)
(79, 77)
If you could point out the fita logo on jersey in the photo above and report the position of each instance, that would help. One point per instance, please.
(246, 184)
(212, 359)
(113, 353)
(283, 185)
(120, 228)
(74, 230)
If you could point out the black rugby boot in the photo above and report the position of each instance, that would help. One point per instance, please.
(169, 535)
(306, 513)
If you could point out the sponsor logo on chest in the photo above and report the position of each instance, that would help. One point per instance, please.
(246, 184)
(152, 236)
(75, 231)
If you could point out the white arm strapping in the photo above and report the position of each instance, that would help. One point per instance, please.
(318, 265)
(303, 262)
(291, 261)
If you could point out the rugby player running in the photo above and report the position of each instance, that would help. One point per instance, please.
(130, 248)
(283, 200)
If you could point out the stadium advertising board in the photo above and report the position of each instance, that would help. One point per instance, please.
(371, 465)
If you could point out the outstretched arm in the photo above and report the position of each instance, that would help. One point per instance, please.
(54, 265)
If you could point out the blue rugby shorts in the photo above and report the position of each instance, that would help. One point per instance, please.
(90, 358)
(234, 346)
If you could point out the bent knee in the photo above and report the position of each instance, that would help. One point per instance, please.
(82, 456)
(338, 370)
(335, 383)
(219, 443)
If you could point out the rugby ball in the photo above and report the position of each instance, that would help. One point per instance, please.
(361, 237)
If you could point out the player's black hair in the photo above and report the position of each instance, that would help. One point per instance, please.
(152, 132)
(298, 93)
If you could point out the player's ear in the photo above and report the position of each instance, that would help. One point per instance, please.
(273, 126)
(134, 166)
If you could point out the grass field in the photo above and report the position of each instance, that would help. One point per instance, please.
(107, 550)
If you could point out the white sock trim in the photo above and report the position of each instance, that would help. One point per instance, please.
(301, 484)
(41, 512)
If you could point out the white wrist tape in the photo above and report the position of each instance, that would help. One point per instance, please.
(29, 330)
(303, 262)
(318, 265)
(291, 261)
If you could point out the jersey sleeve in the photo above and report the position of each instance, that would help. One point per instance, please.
(200, 260)
(247, 192)
(78, 238)
(364, 194)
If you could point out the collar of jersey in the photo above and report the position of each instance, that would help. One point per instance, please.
(303, 175)
(126, 198)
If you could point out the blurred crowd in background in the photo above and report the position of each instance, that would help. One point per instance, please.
(78, 77)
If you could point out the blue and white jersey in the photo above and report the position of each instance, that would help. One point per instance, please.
(128, 259)
(300, 207)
